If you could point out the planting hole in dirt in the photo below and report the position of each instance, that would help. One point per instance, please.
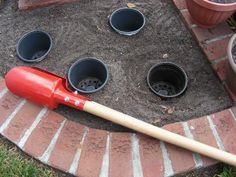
(81, 30)
(87, 75)
(127, 21)
(34, 46)
(167, 80)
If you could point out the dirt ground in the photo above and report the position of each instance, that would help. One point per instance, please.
(81, 29)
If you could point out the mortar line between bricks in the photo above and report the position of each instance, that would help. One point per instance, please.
(233, 115)
(196, 157)
(3, 92)
(215, 133)
(12, 115)
(214, 62)
(137, 167)
(168, 169)
(208, 41)
(183, 10)
(32, 127)
(46, 155)
(75, 163)
(193, 26)
(105, 162)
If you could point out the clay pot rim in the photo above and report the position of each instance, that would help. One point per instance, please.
(229, 52)
(216, 6)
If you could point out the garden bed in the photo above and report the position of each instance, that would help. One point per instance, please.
(81, 29)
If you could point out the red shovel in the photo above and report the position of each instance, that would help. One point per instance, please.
(50, 90)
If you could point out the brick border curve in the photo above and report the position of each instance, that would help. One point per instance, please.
(82, 151)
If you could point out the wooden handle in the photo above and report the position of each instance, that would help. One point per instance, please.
(156, 132)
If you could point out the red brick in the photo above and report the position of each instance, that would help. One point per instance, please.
(231, 94)
(180, 4)
(220, 69)
(120, 155)
(187, 18)
(67, 144)
(201, 132)
(151, 157)
(216, 50)
(43, 134)
(22, 121)
(8, 104)
(92, 153)
(226, 128)
(203, 35)
(177, 154)
(32, 4)
(2, 84)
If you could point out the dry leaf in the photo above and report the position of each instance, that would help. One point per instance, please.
(99, 28)
(156, 121)
(131, 5)
(167, 109)
(163, 107)
(107, 97)
(171, 110)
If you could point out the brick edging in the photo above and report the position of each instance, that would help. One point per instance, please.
(32, 4)
(213, 42)
(82, 151)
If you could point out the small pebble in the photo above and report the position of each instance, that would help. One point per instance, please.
(165, 56)
(131, 5)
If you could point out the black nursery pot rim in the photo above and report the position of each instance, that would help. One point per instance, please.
(26, 35)
(177, 67)
(82, 60)
(126, 33)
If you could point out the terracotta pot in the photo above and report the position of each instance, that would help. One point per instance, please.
(230, 66)
(208, 14)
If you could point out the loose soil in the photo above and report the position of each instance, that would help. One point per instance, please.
(81, 29)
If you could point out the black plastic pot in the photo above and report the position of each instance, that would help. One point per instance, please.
(167, 80)
(87, 75)
(127, 21)
(34, 46)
